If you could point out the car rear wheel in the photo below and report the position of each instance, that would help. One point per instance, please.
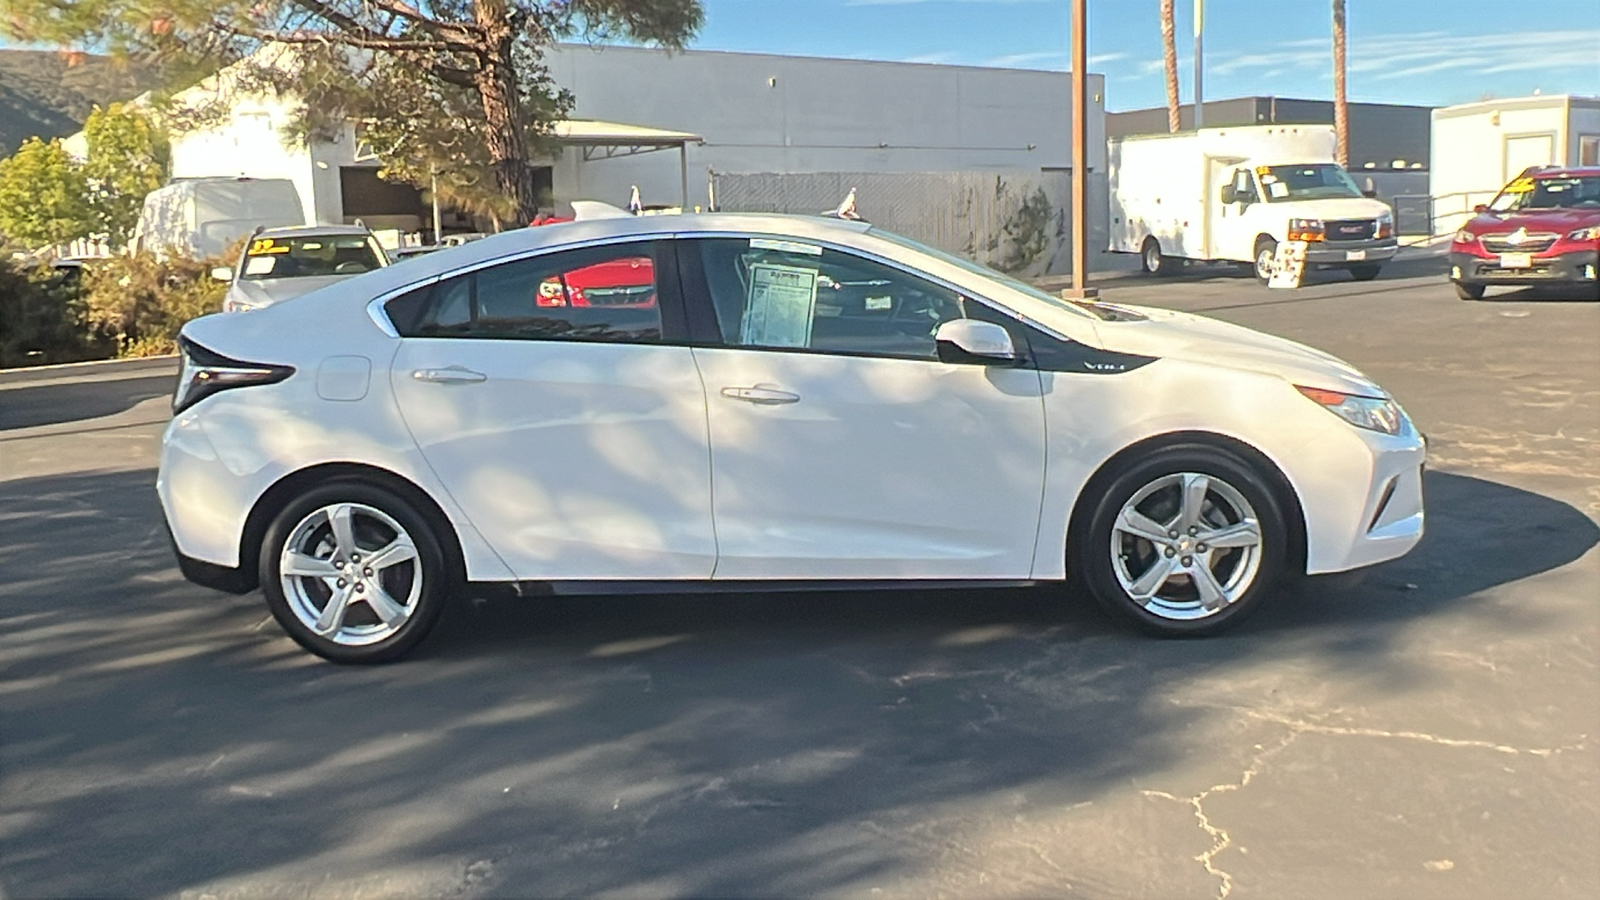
(1469, 291)
(353, 573)
(1187, 540)
(1151, 260)
(1266, 251)
(1365, 273)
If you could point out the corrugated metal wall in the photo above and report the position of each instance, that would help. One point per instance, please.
(1013, 221)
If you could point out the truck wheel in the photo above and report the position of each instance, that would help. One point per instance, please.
(1151, 260)
(1266, 250)
(1469, 291)
(1364, 273)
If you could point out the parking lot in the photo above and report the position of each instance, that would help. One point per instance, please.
(1422, 729)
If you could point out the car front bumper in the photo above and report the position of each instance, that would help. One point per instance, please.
(1352, 253)
(1578, 267)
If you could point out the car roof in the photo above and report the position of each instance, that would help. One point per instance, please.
(312, 230)
(521, 241)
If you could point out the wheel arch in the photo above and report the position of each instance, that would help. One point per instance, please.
(285, 489)
(1283, 490)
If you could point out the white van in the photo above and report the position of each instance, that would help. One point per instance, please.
(202, 217)
(1232, 194)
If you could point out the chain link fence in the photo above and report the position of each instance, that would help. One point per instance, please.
(1016, 222)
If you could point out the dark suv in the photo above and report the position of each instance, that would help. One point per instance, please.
(1542, 228)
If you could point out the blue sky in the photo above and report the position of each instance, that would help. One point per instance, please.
(1428, 52)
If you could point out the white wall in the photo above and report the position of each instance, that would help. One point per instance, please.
(761, 113)
(1478, 147)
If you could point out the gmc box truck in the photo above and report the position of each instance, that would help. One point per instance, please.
(1234, 194)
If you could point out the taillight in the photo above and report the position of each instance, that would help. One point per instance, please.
(205, 372)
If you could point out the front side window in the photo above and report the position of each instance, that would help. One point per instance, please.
(1318, 181)
(1244, 187)
(593, 294)
(310, 257)
(792, 295)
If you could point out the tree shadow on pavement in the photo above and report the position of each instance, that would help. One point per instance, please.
(159, 737)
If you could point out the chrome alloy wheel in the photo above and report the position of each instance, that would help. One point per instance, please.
(1186, 546)
(350, 573)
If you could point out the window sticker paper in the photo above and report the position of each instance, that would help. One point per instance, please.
(784, 246)
(1278, 189)
(259, 265)
(779, 307)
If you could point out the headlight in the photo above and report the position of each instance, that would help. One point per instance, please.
(1372, 413)
(1305, 229)
(1465, 237)
(203, 373)
(1385, 225)
(1591, 233)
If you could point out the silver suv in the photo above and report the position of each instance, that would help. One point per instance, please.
(280, 263)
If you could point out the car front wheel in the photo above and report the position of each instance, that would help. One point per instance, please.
(1469, 291)
(1185, 541)
(1266, 251)
(353, 573)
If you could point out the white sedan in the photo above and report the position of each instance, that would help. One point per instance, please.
(729, 402)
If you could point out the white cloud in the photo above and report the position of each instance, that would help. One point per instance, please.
(1387, 57)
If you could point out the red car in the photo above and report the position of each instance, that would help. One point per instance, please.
(1541, 229)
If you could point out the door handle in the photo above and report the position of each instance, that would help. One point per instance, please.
(760, 395)
(451, 375)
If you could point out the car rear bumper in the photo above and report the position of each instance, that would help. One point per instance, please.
(1579, 267)
(1340, 253)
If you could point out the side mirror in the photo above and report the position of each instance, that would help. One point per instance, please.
(1481, 208)
(222, 273)
(1229, 194)
(1370, 193)
(975, 340)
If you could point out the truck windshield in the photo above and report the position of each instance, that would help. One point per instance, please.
(1549, 193)
(1320, 181)
(308, 256)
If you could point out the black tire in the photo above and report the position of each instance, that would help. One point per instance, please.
(1101, 554)
(1469, 291)
(1151, 260)
(1266, 249)
(1365, 273)
(360, 633)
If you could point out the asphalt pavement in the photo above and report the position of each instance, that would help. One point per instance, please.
(1423, 729)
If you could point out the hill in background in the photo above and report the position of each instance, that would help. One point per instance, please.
(48, 94)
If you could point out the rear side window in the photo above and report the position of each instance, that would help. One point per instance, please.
(594, 294)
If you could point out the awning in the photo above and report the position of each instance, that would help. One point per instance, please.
(608, 140)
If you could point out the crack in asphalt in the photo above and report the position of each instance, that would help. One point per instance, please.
(1222, 840)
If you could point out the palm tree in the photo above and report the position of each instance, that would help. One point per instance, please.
(1169, 53)
(1341, 107)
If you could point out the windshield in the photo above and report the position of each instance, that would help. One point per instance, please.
(309, 256)
(1580, 192)
(1080, 308)
(1320, 181)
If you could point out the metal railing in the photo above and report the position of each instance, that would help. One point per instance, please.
(1422, 215)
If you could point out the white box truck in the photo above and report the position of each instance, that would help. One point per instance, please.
(202, 217)
(1233, 194)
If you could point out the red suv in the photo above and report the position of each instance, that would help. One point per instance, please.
(1543, 228)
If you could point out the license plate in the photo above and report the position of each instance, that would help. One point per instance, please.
(1516, 260)
(1355, 255)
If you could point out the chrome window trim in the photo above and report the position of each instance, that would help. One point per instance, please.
(380, 317)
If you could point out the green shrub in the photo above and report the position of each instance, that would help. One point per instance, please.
(42, 318)
(140, 303)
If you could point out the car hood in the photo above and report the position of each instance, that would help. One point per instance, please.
(1560, 221)
(1332, 208)
(1176, 335)
(267, 291)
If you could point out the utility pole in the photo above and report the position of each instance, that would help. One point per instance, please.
(1341, 105)
(1080, 155)
(1199, 25)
